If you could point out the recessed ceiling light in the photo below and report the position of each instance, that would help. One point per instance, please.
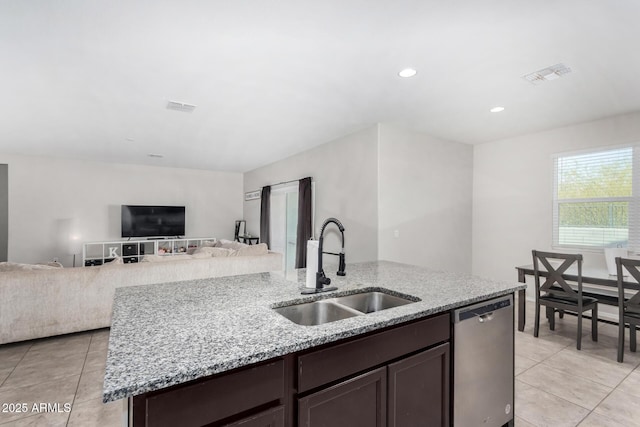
(155, 156)
(497, 109)
(407, 72)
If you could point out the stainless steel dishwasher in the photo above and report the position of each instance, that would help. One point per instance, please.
(483, 364)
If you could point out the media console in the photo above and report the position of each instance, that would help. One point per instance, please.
(98, 253)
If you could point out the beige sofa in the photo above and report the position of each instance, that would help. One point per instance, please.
(42, 303)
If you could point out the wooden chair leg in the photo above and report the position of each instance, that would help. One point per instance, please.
(551, 315)
(594, 323)
(536, 324)
(561, 314)
(579, 345)
(620, 341)
(632, 337)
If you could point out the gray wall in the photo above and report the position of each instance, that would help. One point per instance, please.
(4, 212)
(45, 190)
(346, 184)
(384, 179)
(513, 191)
(425, 190)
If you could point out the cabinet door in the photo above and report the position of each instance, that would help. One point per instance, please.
(271, 418)
(358, 402)
(419, 389)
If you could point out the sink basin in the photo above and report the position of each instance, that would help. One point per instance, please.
(369, 302)
(342, 307)
(315, 313)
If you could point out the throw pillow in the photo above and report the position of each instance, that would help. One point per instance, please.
(55, 264)
(116, 261)
(229, 244)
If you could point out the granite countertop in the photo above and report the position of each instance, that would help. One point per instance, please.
(168, 334)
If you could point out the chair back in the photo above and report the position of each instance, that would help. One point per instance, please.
(554, 282)
(633, 303)
(240, 228)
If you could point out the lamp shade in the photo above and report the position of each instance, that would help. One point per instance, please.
(69, 238)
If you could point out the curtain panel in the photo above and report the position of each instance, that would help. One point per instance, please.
(304, 221)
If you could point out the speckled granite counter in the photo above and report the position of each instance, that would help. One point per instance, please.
(167, 334)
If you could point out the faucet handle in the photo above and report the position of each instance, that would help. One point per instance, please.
(341, 265)
(322, 280)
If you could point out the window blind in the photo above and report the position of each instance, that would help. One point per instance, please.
(594, 205)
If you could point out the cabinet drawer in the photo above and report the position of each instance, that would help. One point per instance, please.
(213, 399)
(270, 418)
(342, 360)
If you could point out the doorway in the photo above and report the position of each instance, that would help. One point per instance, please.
(284, 223)
(4, 212)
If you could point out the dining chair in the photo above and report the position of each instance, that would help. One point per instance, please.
(556, 294)
(628, 303)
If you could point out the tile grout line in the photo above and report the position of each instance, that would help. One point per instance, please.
(16, 365)
(75, 394)
(604, 398)
(597, 357)
(561, 398)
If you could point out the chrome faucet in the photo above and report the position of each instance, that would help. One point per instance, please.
(321, 279)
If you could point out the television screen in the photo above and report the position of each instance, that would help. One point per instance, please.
(153, 221)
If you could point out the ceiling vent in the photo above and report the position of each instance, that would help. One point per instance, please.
(550, 73)
(180, 106)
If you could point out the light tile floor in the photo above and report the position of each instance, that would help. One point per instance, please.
(62, 370)
(556, 385)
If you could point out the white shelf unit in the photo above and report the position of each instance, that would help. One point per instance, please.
(98, 253)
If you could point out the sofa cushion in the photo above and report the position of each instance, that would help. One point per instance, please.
(199, 255)
(248, 250)
(165, 258)
(214, 252)
(16, 266)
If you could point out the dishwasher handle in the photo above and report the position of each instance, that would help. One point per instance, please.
(485, 317)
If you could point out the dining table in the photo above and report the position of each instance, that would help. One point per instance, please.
(596, 283)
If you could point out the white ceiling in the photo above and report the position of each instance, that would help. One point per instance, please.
(81, 78)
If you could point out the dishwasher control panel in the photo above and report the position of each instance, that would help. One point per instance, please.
(474, 311)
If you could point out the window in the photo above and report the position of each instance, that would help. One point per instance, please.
(594, 204)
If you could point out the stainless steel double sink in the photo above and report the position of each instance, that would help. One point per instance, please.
(342, 307)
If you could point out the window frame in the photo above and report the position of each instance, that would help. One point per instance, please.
(633, 225)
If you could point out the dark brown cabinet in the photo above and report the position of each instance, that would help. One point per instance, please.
(402, 372)
(358, 402)
(419, 389)
(397, 376)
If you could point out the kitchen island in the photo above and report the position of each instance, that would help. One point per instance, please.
(174, 336)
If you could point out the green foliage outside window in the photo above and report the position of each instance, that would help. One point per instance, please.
(600, 175)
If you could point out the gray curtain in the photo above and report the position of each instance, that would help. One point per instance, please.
(265, 209)
(304, 221)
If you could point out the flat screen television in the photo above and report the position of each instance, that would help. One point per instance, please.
(153, 221)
